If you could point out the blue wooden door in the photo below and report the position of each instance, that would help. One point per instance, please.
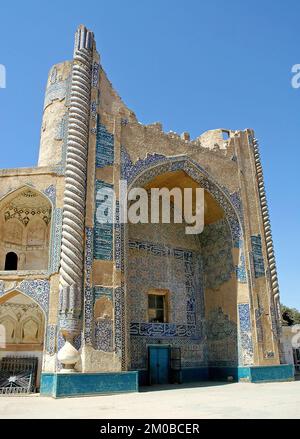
(159, 364)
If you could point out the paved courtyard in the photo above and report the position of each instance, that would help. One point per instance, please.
(202, 400)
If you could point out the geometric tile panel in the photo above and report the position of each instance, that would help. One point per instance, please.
(51, 339)
(103, 231)
(55, 240)
(245, 334)
(258, 259)
(104, 335)
(120, 333)
(240, 270)
(186, 300)
(88, 289)
(95, 74)
(104, 147)
(38, 290)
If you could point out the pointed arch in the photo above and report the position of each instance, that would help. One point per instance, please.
(144, 171)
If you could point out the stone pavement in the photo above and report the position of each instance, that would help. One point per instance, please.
(201, 400)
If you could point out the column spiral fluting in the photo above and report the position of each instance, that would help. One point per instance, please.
(72, 248)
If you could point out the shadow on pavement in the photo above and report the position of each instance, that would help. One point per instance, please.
(159, 387)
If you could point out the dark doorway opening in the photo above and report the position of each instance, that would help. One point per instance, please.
(11, 261)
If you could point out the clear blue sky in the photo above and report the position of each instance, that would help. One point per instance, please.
(194, 65)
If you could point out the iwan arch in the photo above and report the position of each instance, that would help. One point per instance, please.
(106, 307)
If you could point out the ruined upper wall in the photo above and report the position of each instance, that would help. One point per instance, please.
(110, 102)
(54, 123)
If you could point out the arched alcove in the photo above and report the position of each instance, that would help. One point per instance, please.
(199, 271)
(25, 217)
(22, 328)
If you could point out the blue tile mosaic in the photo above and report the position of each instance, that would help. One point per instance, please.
(103, 232)
(185, 285)
(56, 90)
(61, 129)
(95, 74)
(119, 231)
(162, 330)
(258, 259)
(104, 335)
(245, 334)
(88, 289)
(241, 268)
(104, 147)
(51, 335)
(38, 290)
(120, 332)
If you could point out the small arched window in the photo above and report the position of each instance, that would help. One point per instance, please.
(11, 261)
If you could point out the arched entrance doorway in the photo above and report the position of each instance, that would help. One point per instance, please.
(22, 327)
(196, 318)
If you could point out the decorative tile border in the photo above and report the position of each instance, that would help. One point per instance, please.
(120, 333)
(50, 193)
(258, 259)
(55, 240)
(104, 147)
(51, 335)
(245, 334)
(88, 289)
(118, 232)
(95, 74)
(241, 269)
(103, 232)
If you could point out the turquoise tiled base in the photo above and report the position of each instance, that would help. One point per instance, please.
(60, 385)
(254, 374)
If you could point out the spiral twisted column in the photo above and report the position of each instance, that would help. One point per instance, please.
(72, 250)
(267, 229)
